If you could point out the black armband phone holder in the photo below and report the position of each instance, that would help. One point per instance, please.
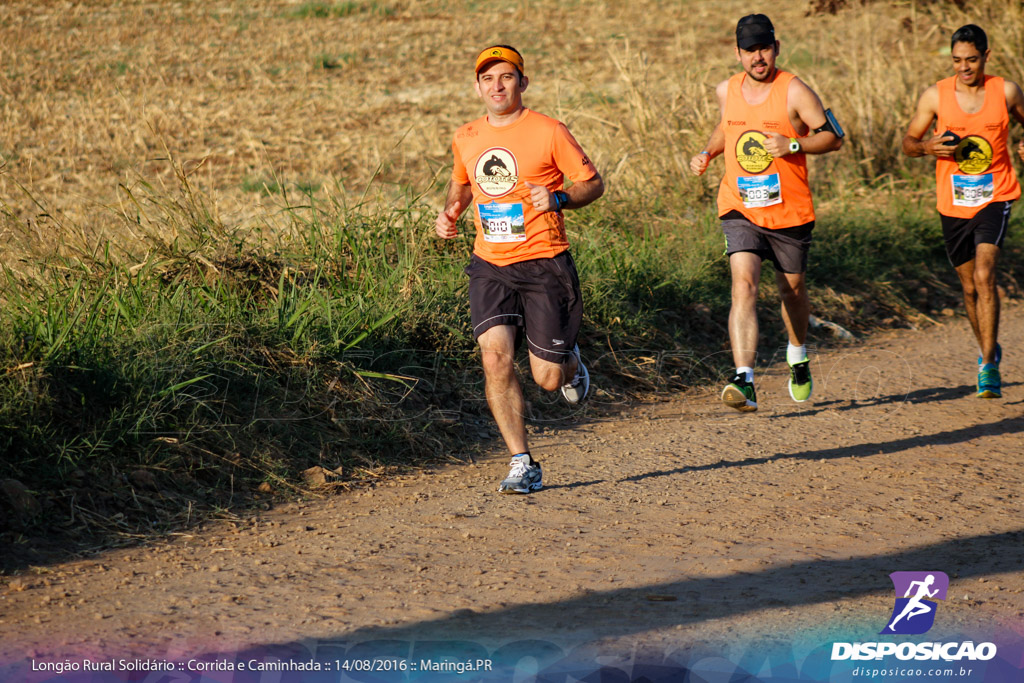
(831, 125)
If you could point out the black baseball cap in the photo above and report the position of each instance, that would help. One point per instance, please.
(754, 29)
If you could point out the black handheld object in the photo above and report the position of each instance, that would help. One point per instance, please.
(831, 125)
(950, 134)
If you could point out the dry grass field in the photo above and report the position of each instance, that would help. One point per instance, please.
(259, 102)
(206, 206)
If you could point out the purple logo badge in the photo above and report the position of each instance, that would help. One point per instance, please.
(914, 612)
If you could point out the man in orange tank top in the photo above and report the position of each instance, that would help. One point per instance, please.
(770, 121)
(975, 181)
(510, 166)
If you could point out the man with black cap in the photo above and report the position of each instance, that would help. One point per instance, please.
(510, 165)
(770, 121)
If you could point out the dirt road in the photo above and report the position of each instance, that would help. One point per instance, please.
(674, 527)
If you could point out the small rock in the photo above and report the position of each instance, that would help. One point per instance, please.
(317, 476)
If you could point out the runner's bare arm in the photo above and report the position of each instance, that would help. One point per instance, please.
(458, 199)
(914, 142)
(716, 143)
(1015, 106)
(805, 109)
(715, 146)
(579, 195)
(584, 192)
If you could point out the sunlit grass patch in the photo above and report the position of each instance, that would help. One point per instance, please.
(334, 10)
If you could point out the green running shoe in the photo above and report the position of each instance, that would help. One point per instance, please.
(739, 394)
(989, 382)
(800, 383)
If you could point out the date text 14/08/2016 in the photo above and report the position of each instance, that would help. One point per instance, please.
(445, 666)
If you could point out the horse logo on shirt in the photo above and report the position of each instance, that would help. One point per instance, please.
(750, 152)
(973, 155)
(496, 172)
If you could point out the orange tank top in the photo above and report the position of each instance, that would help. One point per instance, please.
(980, 170)
(772, 193)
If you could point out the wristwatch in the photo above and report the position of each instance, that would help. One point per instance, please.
(794, 146)
(561, 199)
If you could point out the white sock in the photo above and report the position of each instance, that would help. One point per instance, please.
(748, 373)
(796, 354)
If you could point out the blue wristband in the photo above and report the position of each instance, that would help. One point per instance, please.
(561, 199)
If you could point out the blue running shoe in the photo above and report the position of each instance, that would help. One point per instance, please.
(989, 383)
(999, 357)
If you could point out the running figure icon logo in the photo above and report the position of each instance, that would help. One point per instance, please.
(914, 613)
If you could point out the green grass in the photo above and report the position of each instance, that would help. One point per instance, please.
(231, 360)
(261, 185)
(334, 10)
(325, 60)
(119, 68)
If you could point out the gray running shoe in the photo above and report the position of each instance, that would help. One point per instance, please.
(575, 391)
(524, 477)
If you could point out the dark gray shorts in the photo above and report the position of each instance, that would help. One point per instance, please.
(786, 248)
(541, 297)
(963, 235)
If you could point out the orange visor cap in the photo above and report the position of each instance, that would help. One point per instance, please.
(500, 54)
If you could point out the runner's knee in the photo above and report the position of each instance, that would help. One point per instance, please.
(548, 381)
(498, 365)
(743, 289)
(549, 376)
(984, 279)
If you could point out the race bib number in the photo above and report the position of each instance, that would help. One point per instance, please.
(502, 222)
(759, 191)
(972, 190)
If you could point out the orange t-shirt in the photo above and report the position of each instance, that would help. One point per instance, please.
(980, 170)
(771, 193)
(534, 148)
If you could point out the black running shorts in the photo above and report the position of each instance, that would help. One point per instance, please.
(540, 296)
(963, 235)
(786, 248)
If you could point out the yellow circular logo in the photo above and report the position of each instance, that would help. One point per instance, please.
(750, 152)
(973, 155)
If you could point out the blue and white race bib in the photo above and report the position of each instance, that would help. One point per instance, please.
(972, 190)
(760, 190)
(502, 222)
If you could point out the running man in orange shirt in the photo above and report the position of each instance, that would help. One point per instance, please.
(510, 167)
(975, 181)
(770, 121)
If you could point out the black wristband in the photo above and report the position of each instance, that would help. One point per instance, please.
(561, 199)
